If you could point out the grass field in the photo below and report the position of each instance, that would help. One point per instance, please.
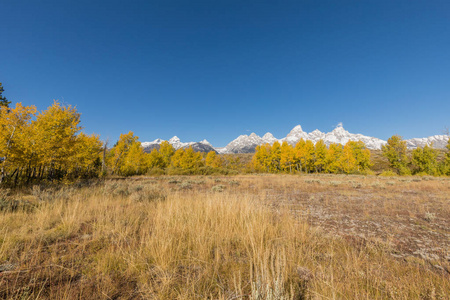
(241, 237)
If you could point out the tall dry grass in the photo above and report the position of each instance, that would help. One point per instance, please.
(130, 240)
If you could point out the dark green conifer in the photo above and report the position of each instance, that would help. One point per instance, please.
(3, 100)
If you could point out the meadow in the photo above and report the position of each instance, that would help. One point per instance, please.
(228, 237)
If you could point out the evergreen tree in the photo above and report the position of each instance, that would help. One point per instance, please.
(3, 101)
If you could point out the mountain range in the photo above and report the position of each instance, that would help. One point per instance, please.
(248, 143)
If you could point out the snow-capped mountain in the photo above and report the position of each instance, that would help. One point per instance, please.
(439, 141)
(295, 135)
(203, 146)
(247, 143)
(243, 144)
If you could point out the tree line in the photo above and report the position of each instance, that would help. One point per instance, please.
(50, 145)
(307, 157)
(421, 161)
(128, 158)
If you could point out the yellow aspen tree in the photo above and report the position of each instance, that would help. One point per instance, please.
(177, 158)
(57, 128)
(261, 158)
(135, 161)
(275, 156)
(348, 161)
(167, 151)
(395, 152)
(87, 159)
(425, 160)
(309, 157)
(320, 152)
(300, 155)
(210, 158)
(15, 133)
(447, 159)
(332, 158)
(191, 159)
(156, 160)
(361, 154)
(286, 157)
(119, 152)
(213, 160)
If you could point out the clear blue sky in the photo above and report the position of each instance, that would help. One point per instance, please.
(218, 69)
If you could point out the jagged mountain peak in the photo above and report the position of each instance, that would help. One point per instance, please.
(205, 142)
(247, 143)
(339, 128)
(296, 129)
(268, 135)
(269, 138)
(175, 139)
(203, 146)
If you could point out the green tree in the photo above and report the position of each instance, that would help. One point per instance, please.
(447, 157)
(395, 152)
(425, 160)
(3, 101)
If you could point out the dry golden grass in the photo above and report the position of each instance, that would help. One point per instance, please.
(244, 237)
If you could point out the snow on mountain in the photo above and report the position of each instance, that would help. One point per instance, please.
(269, 138)
(244, 144)
(295, 135)
(247, 143)
(439, 141)
(203, 146)
(341, 136)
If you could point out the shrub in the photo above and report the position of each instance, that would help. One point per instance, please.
(388, 173)
(218, 188)
(156, 172)
(185, 185)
